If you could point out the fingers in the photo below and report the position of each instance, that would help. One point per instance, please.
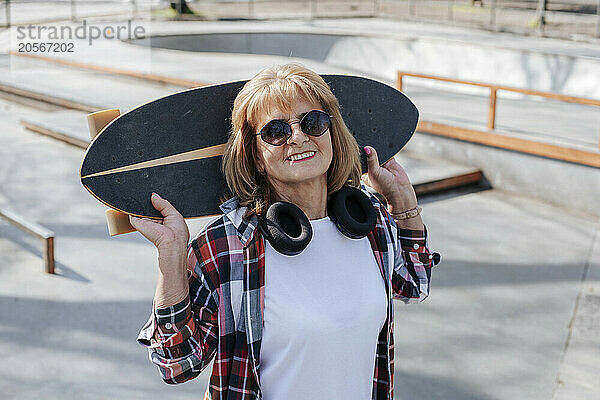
(144, 221)
(163, 206)
(391, 164)
(372, 159)
(149, 228)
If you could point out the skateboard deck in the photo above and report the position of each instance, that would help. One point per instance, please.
(173, 145)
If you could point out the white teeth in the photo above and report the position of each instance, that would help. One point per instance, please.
(297, 157)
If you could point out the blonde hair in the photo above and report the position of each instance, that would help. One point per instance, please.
(280, 88)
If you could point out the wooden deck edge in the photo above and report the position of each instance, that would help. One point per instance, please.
(115, 71)
(575, 156)
(54, 134)
(448, 183)
(57, 101)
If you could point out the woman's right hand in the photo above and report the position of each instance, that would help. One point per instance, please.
(169, 235)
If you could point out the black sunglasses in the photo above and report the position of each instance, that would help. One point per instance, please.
(314, 123)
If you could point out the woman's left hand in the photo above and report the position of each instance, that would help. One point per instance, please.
(390, 180)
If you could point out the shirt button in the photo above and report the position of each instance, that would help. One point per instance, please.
(416, 246)
(168, 325)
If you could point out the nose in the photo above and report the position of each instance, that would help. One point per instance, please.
(297, 137)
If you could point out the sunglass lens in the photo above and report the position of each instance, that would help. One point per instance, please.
(315, 123)
(276, 132)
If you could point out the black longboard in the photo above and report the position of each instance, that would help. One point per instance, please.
(184, 133)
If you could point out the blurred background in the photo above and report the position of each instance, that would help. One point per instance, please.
(573, 19)
(505, 162)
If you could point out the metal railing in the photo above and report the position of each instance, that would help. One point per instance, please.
(35, 230)
(560, 18)
(557, 18)
(558, 152)
(6, 13)
(70, 10)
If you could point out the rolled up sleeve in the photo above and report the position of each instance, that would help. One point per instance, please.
(182, 339)
(168, 327)
(413, 262)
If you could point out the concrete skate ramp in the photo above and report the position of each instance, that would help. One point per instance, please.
(382, 54)
(310, 46)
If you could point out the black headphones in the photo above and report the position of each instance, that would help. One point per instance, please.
(288, 229)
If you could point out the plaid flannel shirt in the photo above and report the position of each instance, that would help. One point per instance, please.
(224, 313)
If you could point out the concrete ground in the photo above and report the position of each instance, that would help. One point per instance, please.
(553, 122)
(527, 118)
(557, 123)
(514, 310)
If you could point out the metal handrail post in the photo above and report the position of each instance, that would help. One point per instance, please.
(451, 10)
(598, 20)
(541, 11)
(493, 14)
(49, 255)
(411, 8)
(35, 230)
(135, 9)
(399, 81)
(7, 6)
(73, 17)
(492, 109)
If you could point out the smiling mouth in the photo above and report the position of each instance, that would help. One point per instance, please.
(302, 156)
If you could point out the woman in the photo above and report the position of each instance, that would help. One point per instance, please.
(314, 325)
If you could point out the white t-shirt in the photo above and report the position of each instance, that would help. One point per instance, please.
(324, 309)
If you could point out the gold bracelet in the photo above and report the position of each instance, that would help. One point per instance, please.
(408, 214)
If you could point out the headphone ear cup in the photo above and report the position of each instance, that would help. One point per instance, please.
(352, 212)
(287, 228)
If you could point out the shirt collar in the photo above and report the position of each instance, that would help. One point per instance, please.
(245, 229)
(372, 197)
(234, 213)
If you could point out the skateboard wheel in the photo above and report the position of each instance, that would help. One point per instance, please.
(118, 223)
(98, 120)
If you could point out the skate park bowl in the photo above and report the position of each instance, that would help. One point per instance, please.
(381, 55)
(311, 46)
(565, 78)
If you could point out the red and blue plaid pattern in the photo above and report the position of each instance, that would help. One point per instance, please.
(224, 314)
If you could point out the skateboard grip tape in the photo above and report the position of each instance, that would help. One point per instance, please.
(118, 223)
